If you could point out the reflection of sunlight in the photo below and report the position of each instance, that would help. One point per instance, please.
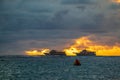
(116, 1)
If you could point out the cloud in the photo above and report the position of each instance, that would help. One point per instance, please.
(24, 40)
(27, 22)
(76, 2)
(115, 6)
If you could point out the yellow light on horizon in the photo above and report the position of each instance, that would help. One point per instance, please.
(116, 1)
(100, 49)
(80, 44)
(37, 52)
(71, 52)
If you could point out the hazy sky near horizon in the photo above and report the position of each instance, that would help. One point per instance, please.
(27, 24)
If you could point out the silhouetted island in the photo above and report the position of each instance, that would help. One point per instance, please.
(86, 53)
(54, 52)
(82, 53)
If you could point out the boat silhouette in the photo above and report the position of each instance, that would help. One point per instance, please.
(86, 53)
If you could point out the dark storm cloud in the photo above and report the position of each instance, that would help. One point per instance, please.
(24, 40)
(18, 22)
(19, 15)
(115, 6)
(96, 26)
(88, 23)
(26, 24)
(76, 2)
(35, 6)
(29, 15)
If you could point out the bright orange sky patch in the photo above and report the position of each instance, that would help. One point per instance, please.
(100, 49)
(36, 52)
(116, 1)
(81, 44)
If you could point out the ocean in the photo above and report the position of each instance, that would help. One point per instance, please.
(59, 68)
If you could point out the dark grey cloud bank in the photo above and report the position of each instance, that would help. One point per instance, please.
(77, 1)
(26, 24)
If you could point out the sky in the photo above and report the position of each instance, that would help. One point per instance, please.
(28, 24)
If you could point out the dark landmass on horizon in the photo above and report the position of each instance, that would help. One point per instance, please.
(54, 52)
(82, 53)
(86, 53)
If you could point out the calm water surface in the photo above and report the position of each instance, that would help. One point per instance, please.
(59, 68)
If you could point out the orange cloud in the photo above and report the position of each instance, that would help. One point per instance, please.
(116, 1)
(36, 52)
(90, 45)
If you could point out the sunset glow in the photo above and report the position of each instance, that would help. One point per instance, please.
(81, 44)
(37, 52)
(100, 49)
(116, 1)
(71, 51)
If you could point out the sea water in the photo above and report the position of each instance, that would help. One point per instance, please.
(59, 68)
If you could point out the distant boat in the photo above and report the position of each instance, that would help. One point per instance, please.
(86, 53)
(77, 62)
(54, 52)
